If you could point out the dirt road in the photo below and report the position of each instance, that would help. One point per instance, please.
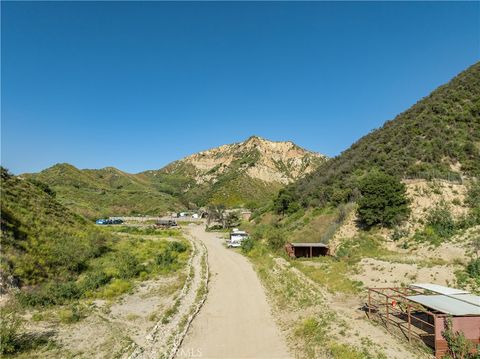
(235, 321)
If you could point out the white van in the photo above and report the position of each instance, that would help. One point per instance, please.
(236, 238)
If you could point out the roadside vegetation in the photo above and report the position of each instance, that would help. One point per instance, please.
(55, 263)
(313, 327)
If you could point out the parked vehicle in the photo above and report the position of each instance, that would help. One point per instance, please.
(166, 223)
(108, 221)
(235, 244)
(236, 238)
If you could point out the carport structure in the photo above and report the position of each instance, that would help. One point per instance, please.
(307, 250)
(419, 312)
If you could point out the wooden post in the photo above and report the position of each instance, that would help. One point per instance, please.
(369, 303)
(311, 252)
(388, 316)
(409, 324)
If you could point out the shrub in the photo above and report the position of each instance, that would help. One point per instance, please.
(383, 200)
(166, 259)
(177, 247)
(70, 315)
(399, 233)
(247, 245)
(473, 268)
(95, 280)
(440, 219)
(43, 186)
(276, 239)
(458, 345)
(9, 328)
(116, 288)
(127, 265)
(50, 294)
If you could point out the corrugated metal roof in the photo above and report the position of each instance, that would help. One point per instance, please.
(447, 304)
(309, 245)
(440, 289)
(469, 298)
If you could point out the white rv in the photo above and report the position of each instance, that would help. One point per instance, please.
(237, 237)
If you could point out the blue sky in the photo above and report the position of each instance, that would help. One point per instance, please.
(136, 85)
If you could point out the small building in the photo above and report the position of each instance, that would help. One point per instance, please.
(307, 250)
(420, 312)
(246, 215)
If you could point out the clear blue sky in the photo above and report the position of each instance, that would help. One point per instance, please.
(137, 85)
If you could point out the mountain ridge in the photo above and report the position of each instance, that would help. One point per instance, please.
(249, 172)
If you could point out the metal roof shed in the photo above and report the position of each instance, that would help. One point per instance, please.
(308, 250)
(446, 304)
(421, 310)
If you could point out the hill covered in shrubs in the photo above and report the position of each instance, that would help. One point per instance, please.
(247, 173)
(439, 137)
(106, 192)
(41, 239)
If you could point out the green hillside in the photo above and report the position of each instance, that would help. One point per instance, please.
(41, 239)
(248, 173)
(233, 188)
(439, 137)
(105, 192)
(56, 255)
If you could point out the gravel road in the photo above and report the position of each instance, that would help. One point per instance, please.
(235, 321)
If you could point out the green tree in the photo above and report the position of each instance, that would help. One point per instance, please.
(285, 202)
(232, 219)
(383, 200)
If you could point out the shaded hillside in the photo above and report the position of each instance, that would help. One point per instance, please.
(105, 192)
(439, 137)
(41, 239)
(245, 173)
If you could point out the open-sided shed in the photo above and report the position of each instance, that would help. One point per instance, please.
(421, 311)
(308, 250)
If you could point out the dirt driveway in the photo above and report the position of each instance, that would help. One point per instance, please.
(235, 321)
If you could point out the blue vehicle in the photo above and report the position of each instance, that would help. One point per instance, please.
(108, 221)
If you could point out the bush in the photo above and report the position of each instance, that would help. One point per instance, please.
(383, 200)
(276, 239)
(94, 281)
(166, 259)
(50, 294)
(441, 221)
(458, 345)
(247, 245)
(9, 328)
(177, 247)
(399, 233)
(70, 315)
(473, 268)
(127, 265)
(116, 288)
(43, 186)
